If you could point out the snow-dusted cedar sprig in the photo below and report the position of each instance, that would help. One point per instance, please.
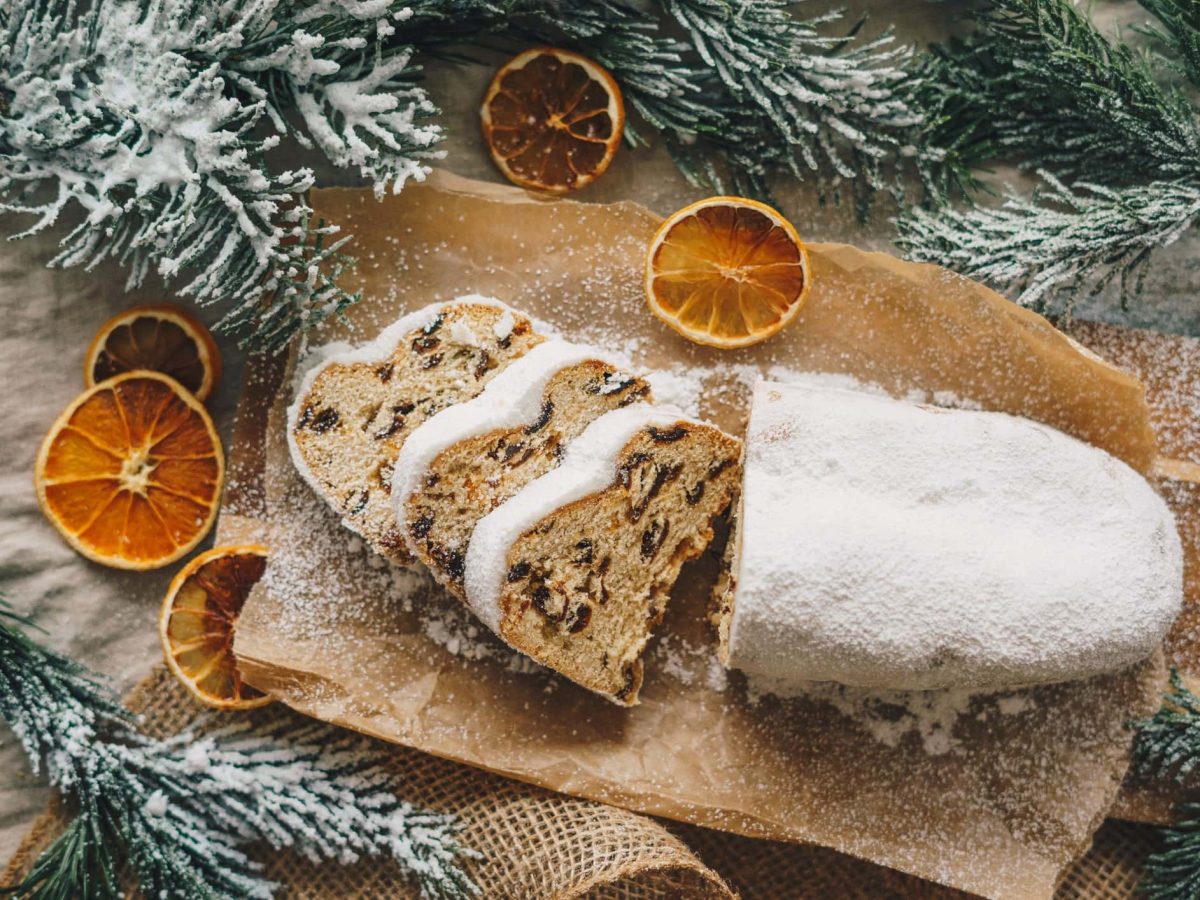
(1116, 147)
(148, 123)
(1040, 83)
(1168, 743)
(1167, 748)
(1048, 249)
(175, 813)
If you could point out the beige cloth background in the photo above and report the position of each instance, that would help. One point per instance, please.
(105, 618)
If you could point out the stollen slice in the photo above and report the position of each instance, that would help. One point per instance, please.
(469, 458)
(575, 570)
(355, 409)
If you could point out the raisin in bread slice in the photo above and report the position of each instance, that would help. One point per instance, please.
(356, 408)
(471, 457)
(576, 569)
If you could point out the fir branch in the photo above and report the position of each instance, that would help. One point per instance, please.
(1178, 28)
(1043, 84)
(1173, 873)
(810, 102)
(1168, 743)
(150, 121)
(176, 812)
(1044, 251)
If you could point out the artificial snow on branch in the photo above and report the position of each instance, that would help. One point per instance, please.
(818, 102)
(176, 812)
(150, 120)
(1044, 251)
(1167, 747)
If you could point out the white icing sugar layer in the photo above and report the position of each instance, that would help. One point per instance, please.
(588, 467)
(511, 399)
(376, 350)
(888, 545)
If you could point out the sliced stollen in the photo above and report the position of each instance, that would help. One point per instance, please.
(575, 570)
(469, 458)
(355, 409)
(887, 545)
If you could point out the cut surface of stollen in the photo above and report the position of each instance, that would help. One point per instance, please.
(575, 570)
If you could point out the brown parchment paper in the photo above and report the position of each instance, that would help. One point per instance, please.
(334, 635)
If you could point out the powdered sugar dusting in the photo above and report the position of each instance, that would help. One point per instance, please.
(887, 545)
(890, 716)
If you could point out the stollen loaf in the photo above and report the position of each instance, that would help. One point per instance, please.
(884, 544)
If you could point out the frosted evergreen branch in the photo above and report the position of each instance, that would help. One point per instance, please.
(1168, 743)
(1173, 873)
(820, 103)
(1167, 747)
(1042, 84)
(353, 90)
(149, 123)
(176, 812)
(1116, 144)
(1048, 247)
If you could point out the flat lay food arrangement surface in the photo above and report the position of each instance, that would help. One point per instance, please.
(562, 546)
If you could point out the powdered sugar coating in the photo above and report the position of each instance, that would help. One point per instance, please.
(887, 545)
(589, 466)
(378, 350)
(511, 399)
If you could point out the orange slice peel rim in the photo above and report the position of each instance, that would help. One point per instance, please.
(181, 324)
(596, 74)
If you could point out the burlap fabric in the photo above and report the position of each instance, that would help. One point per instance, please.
(535, 843)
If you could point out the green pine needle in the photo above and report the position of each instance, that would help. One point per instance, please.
(1173, 873)
(1168, 743)
(1116, 146)
(1167, 747)
(148, 126)
(1178, 29)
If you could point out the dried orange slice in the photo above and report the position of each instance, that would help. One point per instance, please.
(160, 338)
(727, 272)
(197, 621)
(131, 472)
(552, 120)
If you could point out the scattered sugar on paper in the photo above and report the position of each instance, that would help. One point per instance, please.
(888, 716)
(310, 591)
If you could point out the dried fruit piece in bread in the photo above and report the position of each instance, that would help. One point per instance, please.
(471, 457)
